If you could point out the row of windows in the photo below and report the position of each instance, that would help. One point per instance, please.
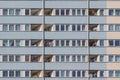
(67, 73)
(15, 27)
(85, 58)
(16, 12)
(17, 73)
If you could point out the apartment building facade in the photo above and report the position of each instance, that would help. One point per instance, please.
(59, 40)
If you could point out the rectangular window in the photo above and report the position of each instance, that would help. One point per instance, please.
(5, 58)
(78, 43)
(67, 42)
(111, 12)
(67, 58)
(83, 27)
(78, 12)
(83, 42)
(67, 27)
(73, 73)
(11, 58)
(57, 73)
(62, 59)
(67, 11)
(57, 58)
(117, 73)
(17, 12)
(17, 43)
(101, 27)
(17, 58)
(117, 27)
(27, 28)
(5, 12)
(78, 74)
(101, 12)
(83, 58)
(62, 73)
(78, 58)
(11, 73)
(27, 74)
(67, 73)
(111, 43)
(73, 12)
(83, 73)
(62, 12)
(5, 42)
(117, 43)
(57, 12)
(26, 42)
(101, 42)
(27, 12)
(11, 43)
(73, 27)
(62, 42)
(117, 12)
(62, 27)
(73, 43)
(73, 58)
(83, 12)
(117, 58)
(5, 73)
(17, 27)
(27, 58)
(17, 74)
(111, 73)
(110, 27)
(78, 27)
(57, 42)
(101, 58)
(57, 27)
(5, 27)
(11, 27)
(101, 73)
(11, 11)
(110, 58)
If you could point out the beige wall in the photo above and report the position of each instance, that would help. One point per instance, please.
(113, 66)
(113, 4)
(113, 78)
(113, 50)
(113, 35)
(113, 19)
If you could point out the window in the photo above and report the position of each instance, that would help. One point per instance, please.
(83, 12)
(78, 43)
(83, 73)
(5, 27)
(73, 73)
(11, 73)
(101, 42)
(11, 27)
(111, 43)
(67, 73)
(83, 42)
(78, 74)
(67, 42)
(57, 42)
(83, 27)
(117, 43)
(11, 11)
(5, 42)
(17, 58)
(78, 27)
(101, 12)
(57, 27)
(73, 43)
(73, 27)
(62, 73)
(5, 58)
(111, 12)
(17, 27)
(17, 12)
(101, 73)
(62, 27)
(110, 27)
(67, 27)
(101, 58)
(5, 73)
(117, 73)
(11, 42)
(73, 12)
(57, 73)
(73, 58)
(62, 12)
(117, 27)
(26, 42)
(11, 58)
(67, 58)
(27, 58)
(117, 12)
(67, 12)
(78, 12)
(27, 12)
(117, 58)
(110, 58)
(17, 43)
(27, 27)
(101, 27)
(110, 73)
(62, 42)
(5, 12)
(57, 11)
(62, 58)
(78, 58)
(83, 58)
(17, 74)
(57, 58)
(27, 74)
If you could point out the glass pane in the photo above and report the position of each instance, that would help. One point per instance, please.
(78, 43)
(110, 27)
(5, 12)
(110, 58)
(11, 42)
(17, 74)
(83, 27)
(117, 73)
(11, 11)
(67, 27)
(78, 12)
(101, 58)
(111, 43)
(27, 27)
(62, 73)
(5, 27)
(73, 58)
(5, 73)
(57, 58)
(73, 43)
(62, 58)
(5, 42)
(78, 27)
(78, 74)
(101, 73)
(62, 27)
(11, 58)
(101, 27)
(117, 43)
(57, 42)
(62, 42)
(67, 42)
(67, 12)
(27, 58)
(57, 73)
(83, 12)
(67, 73)
(110, 73)
(83, 73)
(117, 27)
(57, 11)
(11, 27)
(27, 12)
(101, 42)
(62, 12)
(17, 43)
(26, 42)
(117, 12)
(83, 42)
(17, 27)
(57, 27)
(26, 73)
(111, 12)
(83, 58)
(117, 58)
(78, 58)
(17, 58)
(73, 27)
(17, 12)
(5, 58)
(101, 12)
(73, 12)
(67, 58)
(73, 73)
(11, 73)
